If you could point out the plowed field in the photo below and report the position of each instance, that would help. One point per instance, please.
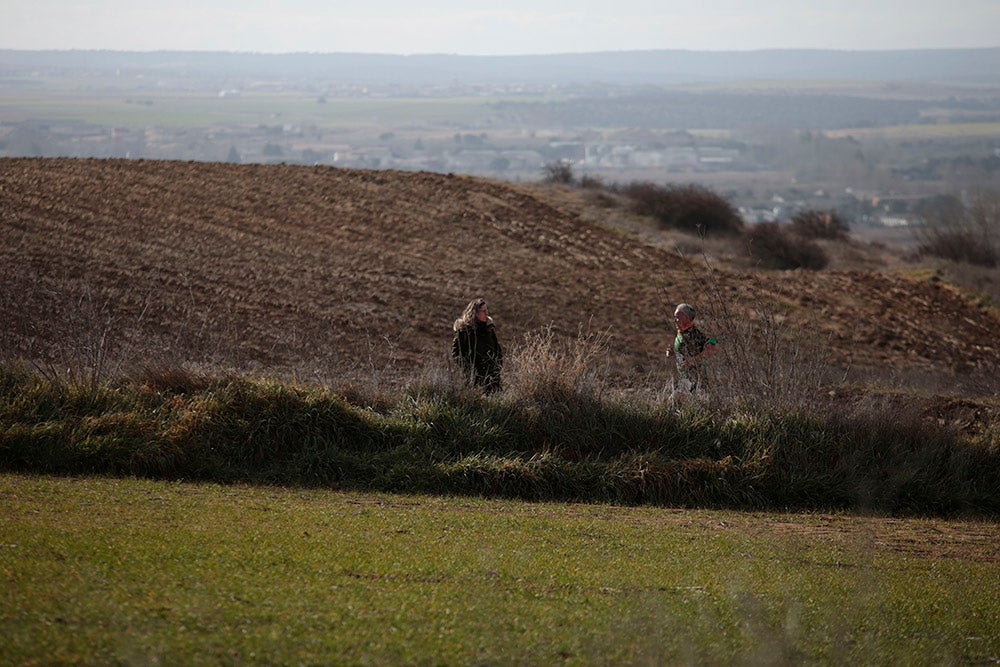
(324, 272)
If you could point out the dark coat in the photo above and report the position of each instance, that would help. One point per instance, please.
(478, 351)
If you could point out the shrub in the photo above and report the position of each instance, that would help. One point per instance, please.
(765, 363)
(962, 233)
(558, 171)
(603, 199)
(960, 245)
(558, 440)
(774, 247)
(689, 208)
(820, 225)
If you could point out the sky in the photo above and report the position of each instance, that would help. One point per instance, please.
(497, 27)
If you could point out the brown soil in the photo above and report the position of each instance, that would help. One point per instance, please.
(326, 272)
(933, 538)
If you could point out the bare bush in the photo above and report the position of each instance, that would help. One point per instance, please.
(558, 171)
(820, 225)
(960, 246)
(961, 232)
(98, 340)
(689, 208)
(775, 247)
(765, 363)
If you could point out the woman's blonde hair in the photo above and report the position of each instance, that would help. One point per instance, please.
(468, 317)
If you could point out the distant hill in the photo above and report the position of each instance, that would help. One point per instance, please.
(660, 67)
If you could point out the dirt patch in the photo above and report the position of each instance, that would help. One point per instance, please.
(967, 540)
(935, 538)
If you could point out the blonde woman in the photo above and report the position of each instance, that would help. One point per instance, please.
(475, 346)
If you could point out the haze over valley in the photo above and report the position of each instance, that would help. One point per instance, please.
(871, 134)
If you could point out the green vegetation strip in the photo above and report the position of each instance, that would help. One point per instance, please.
(140, 108)
(922, 131)
(127, 571)
(550, 444)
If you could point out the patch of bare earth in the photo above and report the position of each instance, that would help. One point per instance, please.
(934, 538)
(323, 272)
(967, 540)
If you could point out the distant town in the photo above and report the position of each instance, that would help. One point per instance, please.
(872, 150)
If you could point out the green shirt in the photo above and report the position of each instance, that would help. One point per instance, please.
(687, 345)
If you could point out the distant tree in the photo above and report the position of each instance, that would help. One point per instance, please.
(272, 150)
(500, 164)
(233, 156)
(558, 171)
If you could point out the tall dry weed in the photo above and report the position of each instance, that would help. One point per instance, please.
(546, 369)
(97, 343)
(767, 362)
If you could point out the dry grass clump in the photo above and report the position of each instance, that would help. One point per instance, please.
(545, 369)
(172, 379)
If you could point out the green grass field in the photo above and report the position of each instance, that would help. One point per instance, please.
(922, 131)
(126, 571)
(196, 109)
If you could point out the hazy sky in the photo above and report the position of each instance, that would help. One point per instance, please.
(497, 27)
